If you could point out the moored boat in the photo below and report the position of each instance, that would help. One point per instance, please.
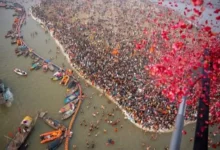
(36, 60)
(50, 136)
(13, 37)
(32, 55)
(50, 121)
(71, 97)
(26, 53)
(51, 67)
(2, 4)
(68, 113)
(38, 67)
(19, 53)
(65, 80)
(8, 36)
(71, 84)
(70, 92)
(13, 42)
(34, 66)
(45, 67)
(56, 78)
(24, 131)
(55, 144)
(20, 72)
(67, 107)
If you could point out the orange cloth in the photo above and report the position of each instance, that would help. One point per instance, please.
(151, 49)
(16, 20)
(115, 52)
(19, 42)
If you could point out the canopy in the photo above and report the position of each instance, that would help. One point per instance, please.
(47, 60)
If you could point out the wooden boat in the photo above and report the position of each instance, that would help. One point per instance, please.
(26, 53)
(20, 137)
(51, 67)
(55, 144)
(34, 66)
(8, 36)
(32, 56)
(67, 107)
(51, 122)
(56, 78)
(68, 113)
(70, 92)
(65, 80)
(19, 53)
(2, 4)
(13, 37)
(71, 97)
(45, 67)
(50, 136)
(10, 32)
(15, 14)
(71, 84)
(13, 42)
(36, 60)
(58, 73)
(22, 48)
(38, 67)
(20, 72)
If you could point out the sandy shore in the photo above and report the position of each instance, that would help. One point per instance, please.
(79, 73)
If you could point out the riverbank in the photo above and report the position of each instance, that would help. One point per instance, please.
(80, 74)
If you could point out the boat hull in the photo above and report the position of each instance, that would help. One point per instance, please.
(20, 137)
(68, 114)
(71, 97)
(67, 107)
(20, 72)
(50, 136)
(55, 144)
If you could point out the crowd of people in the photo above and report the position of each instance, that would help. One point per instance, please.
(99, 38)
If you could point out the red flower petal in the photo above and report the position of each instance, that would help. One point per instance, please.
(218, 18)
(190, 26)
(197, 2)
(183, 36)
(184, 132)
(214, 146)
(207, 28)
(217, 11)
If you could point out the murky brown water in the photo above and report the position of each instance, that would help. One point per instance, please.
(38, 92)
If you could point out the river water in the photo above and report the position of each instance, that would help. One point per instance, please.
(37, 92)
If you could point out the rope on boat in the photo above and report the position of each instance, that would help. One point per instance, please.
(73, 119)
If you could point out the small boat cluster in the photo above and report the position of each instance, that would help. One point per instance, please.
(65, 78)
(55, 137)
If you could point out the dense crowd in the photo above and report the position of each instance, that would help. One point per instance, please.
(99, 37)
